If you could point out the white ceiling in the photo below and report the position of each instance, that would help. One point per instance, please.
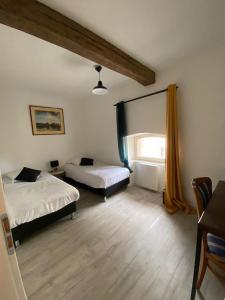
(31, 64)
(156, 32)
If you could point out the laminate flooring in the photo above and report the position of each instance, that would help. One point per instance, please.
(127, 248)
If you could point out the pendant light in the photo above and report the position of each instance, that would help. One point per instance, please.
(99, 89)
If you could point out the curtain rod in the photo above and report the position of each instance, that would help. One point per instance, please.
(141, 97)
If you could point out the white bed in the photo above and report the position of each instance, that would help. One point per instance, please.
(27, 201)
(98, 176)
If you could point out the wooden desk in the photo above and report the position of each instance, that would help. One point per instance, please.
(213, 221)
(59, 174)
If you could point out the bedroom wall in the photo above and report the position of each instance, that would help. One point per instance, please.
(19, 147)
(201, 104)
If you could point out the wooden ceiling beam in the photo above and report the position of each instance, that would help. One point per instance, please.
(43, 22)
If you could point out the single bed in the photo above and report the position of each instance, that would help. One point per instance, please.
(103, 179)
(33, 205)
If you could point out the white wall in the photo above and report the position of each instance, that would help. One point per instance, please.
(19, 147)
(201, 104)
(91, 123)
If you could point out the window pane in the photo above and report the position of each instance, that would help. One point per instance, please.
(151, 147)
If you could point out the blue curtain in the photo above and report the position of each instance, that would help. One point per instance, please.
(122, 134)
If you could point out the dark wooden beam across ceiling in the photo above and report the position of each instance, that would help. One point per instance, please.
(41, 21)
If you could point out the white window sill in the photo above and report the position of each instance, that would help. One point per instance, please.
(145, 162)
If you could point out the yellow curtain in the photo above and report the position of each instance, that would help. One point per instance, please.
(173, 199)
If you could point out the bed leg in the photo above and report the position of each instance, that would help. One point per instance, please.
(74, 215)
(17, 244)
(104, 199)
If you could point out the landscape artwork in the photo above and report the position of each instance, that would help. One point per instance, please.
(47, 120)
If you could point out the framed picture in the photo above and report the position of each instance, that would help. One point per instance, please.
(47, 120)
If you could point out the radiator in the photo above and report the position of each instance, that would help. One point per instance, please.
(150, 176)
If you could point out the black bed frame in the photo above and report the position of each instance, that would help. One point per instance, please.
(111, 190)
(22, 231)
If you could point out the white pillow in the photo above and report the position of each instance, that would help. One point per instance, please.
(99, 163)
(75, 161)
(12, 175)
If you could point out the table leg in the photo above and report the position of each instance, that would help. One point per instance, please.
(197, 262)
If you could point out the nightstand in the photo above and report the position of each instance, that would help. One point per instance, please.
(59, 174)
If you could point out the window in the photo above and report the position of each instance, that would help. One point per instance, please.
(150, 147)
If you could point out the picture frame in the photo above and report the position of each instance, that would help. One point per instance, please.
(47, 120)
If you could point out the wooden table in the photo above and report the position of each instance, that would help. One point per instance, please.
(59, 174)
(213, 221)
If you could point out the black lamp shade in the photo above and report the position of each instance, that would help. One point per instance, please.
(54, 163)
(99, 89)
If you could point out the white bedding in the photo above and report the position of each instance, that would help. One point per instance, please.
(96, 176)
(26, 201)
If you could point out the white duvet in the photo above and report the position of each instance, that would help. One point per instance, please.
(26, 201)
(96, 176)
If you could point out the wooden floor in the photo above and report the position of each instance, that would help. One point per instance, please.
(128, 248)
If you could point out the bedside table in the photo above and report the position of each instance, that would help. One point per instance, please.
(59, 174)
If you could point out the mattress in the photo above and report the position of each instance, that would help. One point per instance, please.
(26, 201)
(96, 176)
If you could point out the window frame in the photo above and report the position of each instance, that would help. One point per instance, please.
(136, 146)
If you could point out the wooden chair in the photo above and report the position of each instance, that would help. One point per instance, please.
(213, 247)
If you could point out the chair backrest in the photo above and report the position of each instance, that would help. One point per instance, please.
(202, 187)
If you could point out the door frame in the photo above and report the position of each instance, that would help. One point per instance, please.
(11, 284)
